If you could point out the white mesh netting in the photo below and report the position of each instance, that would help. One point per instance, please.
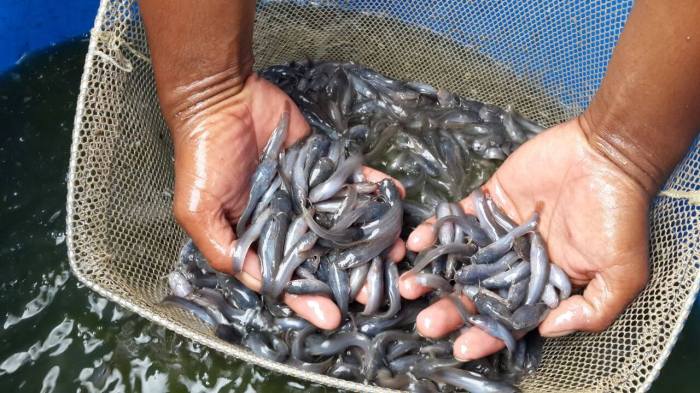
(546, 57)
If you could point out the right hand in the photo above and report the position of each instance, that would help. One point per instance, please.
(216, 152)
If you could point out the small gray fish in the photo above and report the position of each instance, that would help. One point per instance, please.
(473, 274)
(271, 240)
(291, 261)
(321, 171)
(179, 285)
(277, 138)
(246, 239)
(358, 275)
(378, 347)
(560, 281)
(519, 271)
(338, 343)
(339, 283)
(426, 257)
(267, 197)
(446, 232)
(501, 246)
(486, 220)
(528, 316)
(494, 307)
(517, 293)
(494, 153)
(198, 311)
(470, 381)
(307, 286)
(375, 284)
(539, 269)
(259, 183)
(433, 281)
(267, 346)
(512, 128)
(422, 88)
(550, 297)
(500, 217)
(391, 279)
(494, 329)
(466, 224)
(297, 229)
(335, 182)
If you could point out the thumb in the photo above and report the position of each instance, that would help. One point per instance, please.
(605, 297)
(213, 235)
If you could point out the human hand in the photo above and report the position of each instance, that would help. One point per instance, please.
(593, 217)
(215, 155)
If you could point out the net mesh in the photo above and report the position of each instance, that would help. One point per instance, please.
(546, 57)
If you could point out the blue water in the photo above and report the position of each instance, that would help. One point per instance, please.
(58, 336)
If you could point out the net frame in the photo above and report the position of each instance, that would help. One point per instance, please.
(122, 239)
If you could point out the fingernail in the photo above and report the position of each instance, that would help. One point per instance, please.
(461, 352)
(418, 238)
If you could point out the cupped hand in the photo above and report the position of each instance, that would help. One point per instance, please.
(594, 221)
(215, 156)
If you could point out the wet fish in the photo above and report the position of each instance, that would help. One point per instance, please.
(259, 183)
(502, 245)
(539, 269)
(375, 284)
(246, 239)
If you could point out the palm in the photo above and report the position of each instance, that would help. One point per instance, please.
(215, 160)
(592, 214)
(593, 217)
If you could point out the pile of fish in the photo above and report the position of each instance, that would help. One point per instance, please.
(501, 266)
(321, 228)
(439, 145)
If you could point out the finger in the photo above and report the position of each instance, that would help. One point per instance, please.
(376, 176)
(422, 237)
(441, 318)
(319, 310)
(409, 288)
(397, 251)
(468, 204)
(363, 294)
(212, 240)
(208, 227)
(251, 274)
(474, 343)
(605, 297)
(499, 195)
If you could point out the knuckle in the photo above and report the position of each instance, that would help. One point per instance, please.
(183, 215)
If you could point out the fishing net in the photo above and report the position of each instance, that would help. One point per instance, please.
(545, 57)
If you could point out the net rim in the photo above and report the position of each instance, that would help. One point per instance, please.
(676, 331)
(234, 351)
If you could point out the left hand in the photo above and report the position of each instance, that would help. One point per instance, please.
(594, 221)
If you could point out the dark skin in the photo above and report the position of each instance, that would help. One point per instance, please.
(220, 117)
(594, 176)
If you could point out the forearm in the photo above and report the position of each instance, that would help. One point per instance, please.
(201, 52)
(647, 112)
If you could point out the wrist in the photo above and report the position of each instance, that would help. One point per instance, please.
(185, 104)
(620, 140)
